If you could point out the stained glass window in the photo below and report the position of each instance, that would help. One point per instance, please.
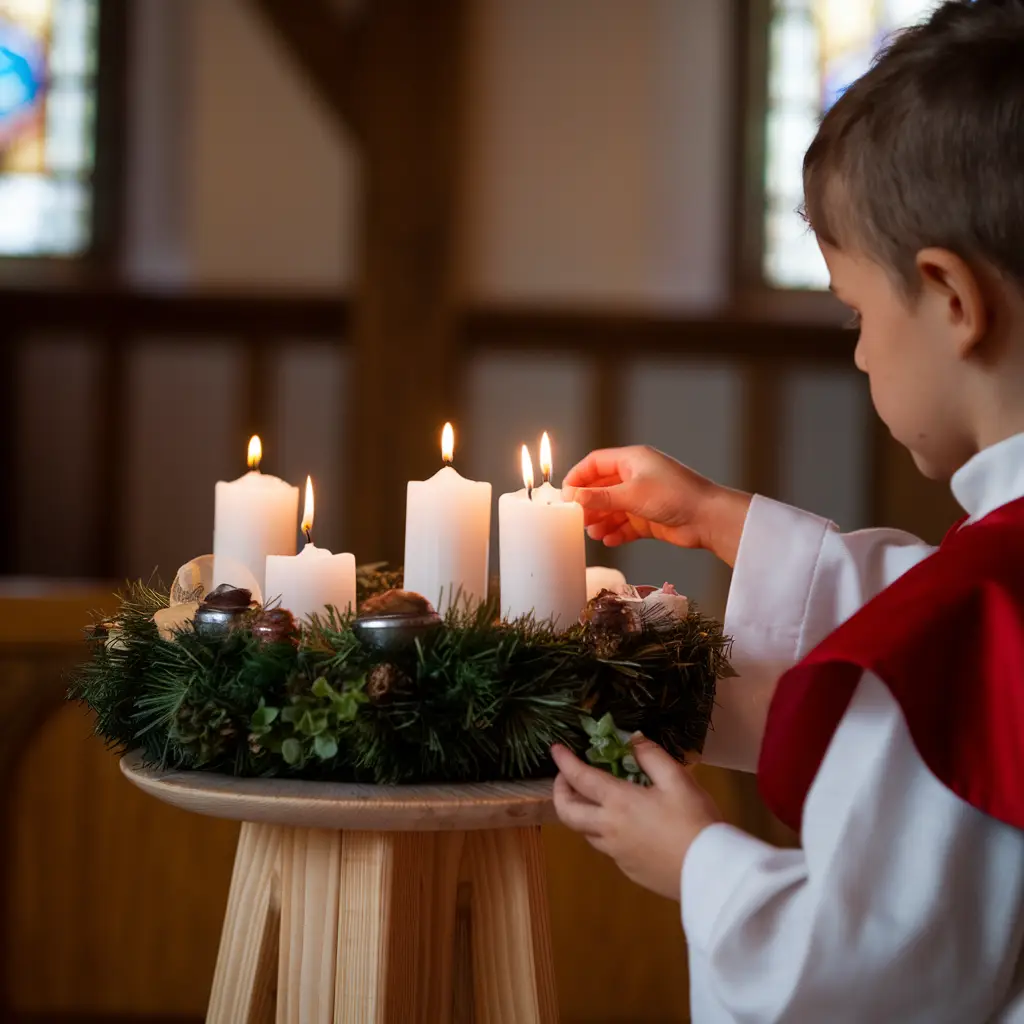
(816, 49)
(47, 125)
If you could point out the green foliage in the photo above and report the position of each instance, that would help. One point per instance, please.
(477, 699)
(613, 747)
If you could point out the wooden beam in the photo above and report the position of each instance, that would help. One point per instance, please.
(405, 317)
(326, 47)
(629, 335)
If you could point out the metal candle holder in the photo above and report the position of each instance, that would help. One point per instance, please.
(388, 633)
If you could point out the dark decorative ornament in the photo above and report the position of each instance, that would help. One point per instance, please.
(386, 681)
(396, 602)
(395, 619)
(610, 620)
(228, 598)
(222, 611)
(275, 626)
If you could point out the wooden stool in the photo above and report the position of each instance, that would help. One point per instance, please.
(379, 904)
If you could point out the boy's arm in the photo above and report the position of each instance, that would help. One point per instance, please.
(796, 578)
(905, 903)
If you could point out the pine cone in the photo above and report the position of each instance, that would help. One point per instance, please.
(276, 626)
(385, 681)
(610, 620)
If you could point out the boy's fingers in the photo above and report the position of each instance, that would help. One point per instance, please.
(590, 517)
(604, 499)
(590, 782)
(658, 764)
(601, 463)
(573, 811)
(569, 492)
(605, 526)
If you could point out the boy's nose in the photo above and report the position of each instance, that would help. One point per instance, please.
(858, 358)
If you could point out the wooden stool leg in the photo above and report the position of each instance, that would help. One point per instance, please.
(310, 863)
(396, 927)
(513, 973)
(244, 982)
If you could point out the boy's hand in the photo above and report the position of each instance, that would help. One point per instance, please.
(632, 493)
(645, 830)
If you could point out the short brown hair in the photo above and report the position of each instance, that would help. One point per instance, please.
(927, 148)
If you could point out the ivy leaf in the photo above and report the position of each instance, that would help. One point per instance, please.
(322, 688)
(262, 718)
(291, 713)
(291, 750)
(325, 747)
(346, 707)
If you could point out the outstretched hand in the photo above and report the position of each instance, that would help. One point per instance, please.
(636, 493)
(645, 830)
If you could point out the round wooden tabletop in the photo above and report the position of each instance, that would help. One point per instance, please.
(341, 805)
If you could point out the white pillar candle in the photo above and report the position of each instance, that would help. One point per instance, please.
(447, 534)
(542, 554)
(600, 577)
(254, 516)
(308, 582)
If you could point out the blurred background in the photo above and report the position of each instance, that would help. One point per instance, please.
(339, 223)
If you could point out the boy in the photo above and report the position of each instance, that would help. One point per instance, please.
(896, 743)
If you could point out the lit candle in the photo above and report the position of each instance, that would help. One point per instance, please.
(254, 516)
(308, 582)
(447, 534)
(543, 560)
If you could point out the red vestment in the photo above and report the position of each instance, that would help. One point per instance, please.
(947, 639)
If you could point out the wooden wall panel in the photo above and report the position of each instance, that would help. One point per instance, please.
(56, 515)
(826, 443)
(186, 431)
(116, 900)
(312, 383)
(620, 956)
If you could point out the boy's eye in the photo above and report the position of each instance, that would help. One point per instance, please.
(853, 324)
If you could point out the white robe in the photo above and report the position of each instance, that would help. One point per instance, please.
(904, 904)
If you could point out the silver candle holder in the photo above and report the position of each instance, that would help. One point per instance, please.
(388, 633)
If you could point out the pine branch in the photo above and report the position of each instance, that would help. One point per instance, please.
(477, 699)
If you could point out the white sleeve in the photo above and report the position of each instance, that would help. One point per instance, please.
(796, 578)
(905, 903)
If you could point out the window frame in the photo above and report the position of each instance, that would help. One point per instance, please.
(100, 260)
(753, 294)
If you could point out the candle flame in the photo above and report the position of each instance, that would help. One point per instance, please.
(448, 444)
(527, 469)
(307, 514)
(545, 456)
(255, 451)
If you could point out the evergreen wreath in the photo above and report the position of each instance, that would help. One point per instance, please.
(476, 699)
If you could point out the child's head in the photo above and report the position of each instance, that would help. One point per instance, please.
(914, 186)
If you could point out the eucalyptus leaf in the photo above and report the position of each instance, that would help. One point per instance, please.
(325, 747)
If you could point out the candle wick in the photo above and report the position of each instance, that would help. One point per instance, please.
(547, 477)
(309, 536)
(529, 492)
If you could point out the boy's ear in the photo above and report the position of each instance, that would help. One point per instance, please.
(951, 283)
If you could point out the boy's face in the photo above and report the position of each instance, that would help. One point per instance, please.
(915, 384)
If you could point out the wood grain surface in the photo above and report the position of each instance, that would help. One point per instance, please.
(337, 805)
